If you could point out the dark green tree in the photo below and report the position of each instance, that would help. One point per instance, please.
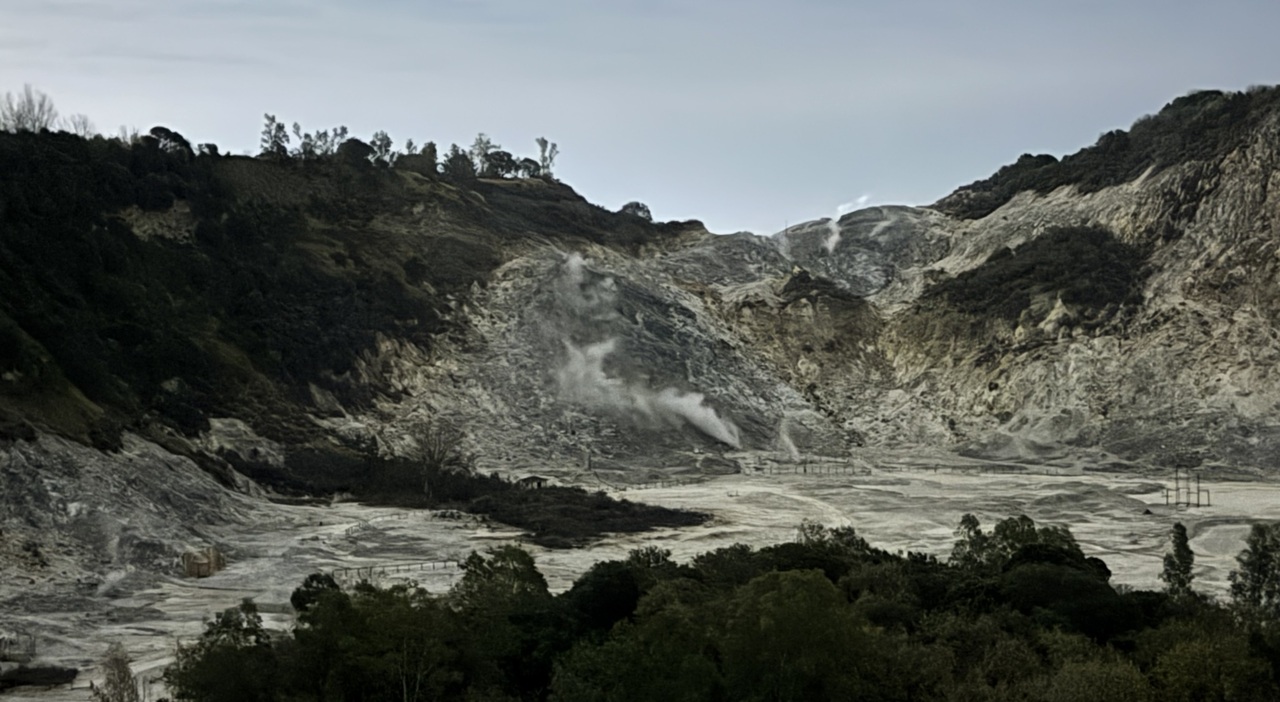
(1178, 563)
(547, 152)
(313, 588)
(384, 152)
(1255, 584)
(232, 661)
(991, 551)
(1219, 668)
(637, 209)
(499, 164)
(458, 166)
(355, 153)
(970, 550)
(429, 153)
(275, 138)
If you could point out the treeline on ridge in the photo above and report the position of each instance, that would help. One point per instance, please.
(1200, 126)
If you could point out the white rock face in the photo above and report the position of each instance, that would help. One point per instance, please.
(713, 345)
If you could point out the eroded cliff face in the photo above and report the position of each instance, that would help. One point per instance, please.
(1184, 372)
(1135, 322)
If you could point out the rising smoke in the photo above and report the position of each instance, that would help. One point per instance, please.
(833, 224)
(590, 301)
(784, 439)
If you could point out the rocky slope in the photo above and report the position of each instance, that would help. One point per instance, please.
(291, 322)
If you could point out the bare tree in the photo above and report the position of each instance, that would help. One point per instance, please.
(128, 135)
(119, 685)
(440, 445)
(547, 152)
(499, 163)
(480, 150)
(306, 149)
(31, 111)
(327, 142)
(528, 168)
(80, 126)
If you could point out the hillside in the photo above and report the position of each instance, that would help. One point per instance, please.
(264, 323)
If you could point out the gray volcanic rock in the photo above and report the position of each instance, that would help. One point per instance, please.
(867, 250)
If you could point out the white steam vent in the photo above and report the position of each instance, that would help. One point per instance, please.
(583, 379)
(833, 224)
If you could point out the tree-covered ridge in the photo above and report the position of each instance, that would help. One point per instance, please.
(1018, 613)
(1201, 126)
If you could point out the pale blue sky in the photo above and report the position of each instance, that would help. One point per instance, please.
(745, 114)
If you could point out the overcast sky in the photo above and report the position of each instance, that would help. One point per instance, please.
(746, 114)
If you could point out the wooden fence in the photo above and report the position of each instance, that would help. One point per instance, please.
(370, 573)
(663, 484)
(813, 469)
(367, 524)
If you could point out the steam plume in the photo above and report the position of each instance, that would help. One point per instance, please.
(833, 224)
(583, 379)
(784, 439)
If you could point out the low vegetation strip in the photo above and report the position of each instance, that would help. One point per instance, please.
(1018, 612)
(553, 516)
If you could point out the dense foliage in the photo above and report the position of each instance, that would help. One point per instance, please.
(168, 329)
(1018, 614)
(1200, 126)
(1084, 266)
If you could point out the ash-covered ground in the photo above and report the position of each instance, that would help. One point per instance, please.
(899, 501)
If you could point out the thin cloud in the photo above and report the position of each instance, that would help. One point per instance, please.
(155, 56)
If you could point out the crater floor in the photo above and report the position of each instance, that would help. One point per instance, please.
(906, 501)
